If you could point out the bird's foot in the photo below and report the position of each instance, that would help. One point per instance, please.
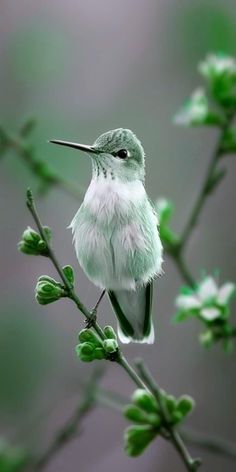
(89, 322)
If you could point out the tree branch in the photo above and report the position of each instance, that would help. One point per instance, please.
(72, 427)
(120, 358)
(39, 168)
(174, 436)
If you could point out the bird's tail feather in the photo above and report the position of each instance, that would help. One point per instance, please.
(133, 310)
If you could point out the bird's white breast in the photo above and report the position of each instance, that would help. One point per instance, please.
(107, 198)
(116, 244)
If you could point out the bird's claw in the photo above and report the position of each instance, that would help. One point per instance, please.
(89, 322)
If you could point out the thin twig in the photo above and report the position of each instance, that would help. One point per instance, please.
(212, 444)
(39, 168)
(71, 293)
(174, 436)
(176, 253)
(204, 193)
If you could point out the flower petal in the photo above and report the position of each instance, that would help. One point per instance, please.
(207, 289)
(225, 293)
(210, 314)
(187, 302)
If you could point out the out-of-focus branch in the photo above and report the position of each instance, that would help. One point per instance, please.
(47, 177)
(210, 183)
(72, 427)
(212, 444)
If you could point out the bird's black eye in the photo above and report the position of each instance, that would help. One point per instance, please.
(122, 153)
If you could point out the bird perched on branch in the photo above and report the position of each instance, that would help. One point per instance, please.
(115, 231)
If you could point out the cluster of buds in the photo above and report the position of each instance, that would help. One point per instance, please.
(49, 290)
(12, 459)
(208, 107)
(90, 347)
(147, 415)
(164, 210)
(31, 242)
(210, 304)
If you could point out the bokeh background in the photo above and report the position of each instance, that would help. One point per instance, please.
(81, 68)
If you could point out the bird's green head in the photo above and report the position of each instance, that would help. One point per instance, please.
(115, 154)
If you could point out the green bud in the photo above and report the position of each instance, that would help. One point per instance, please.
(185, 404)
(145, 400)
(69, 273)
(170, 402)
(137, 415)
(85, 351)
(109, 332)
(176, 417)
(32, 243)
(48, 290)
(99, 353)
(87, 335)
(110, 345)
(137, 438)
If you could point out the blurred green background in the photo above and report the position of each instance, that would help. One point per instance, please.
(81, 68)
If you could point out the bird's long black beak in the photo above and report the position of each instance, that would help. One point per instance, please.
(82, 147)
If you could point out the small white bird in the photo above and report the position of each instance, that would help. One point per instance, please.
(116, 231)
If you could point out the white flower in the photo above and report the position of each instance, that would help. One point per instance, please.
(216, 65)
(225, 293)
(207, 300)
(207, 289)
(195, 111)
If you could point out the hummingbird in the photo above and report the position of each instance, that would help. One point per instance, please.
(115, 231)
